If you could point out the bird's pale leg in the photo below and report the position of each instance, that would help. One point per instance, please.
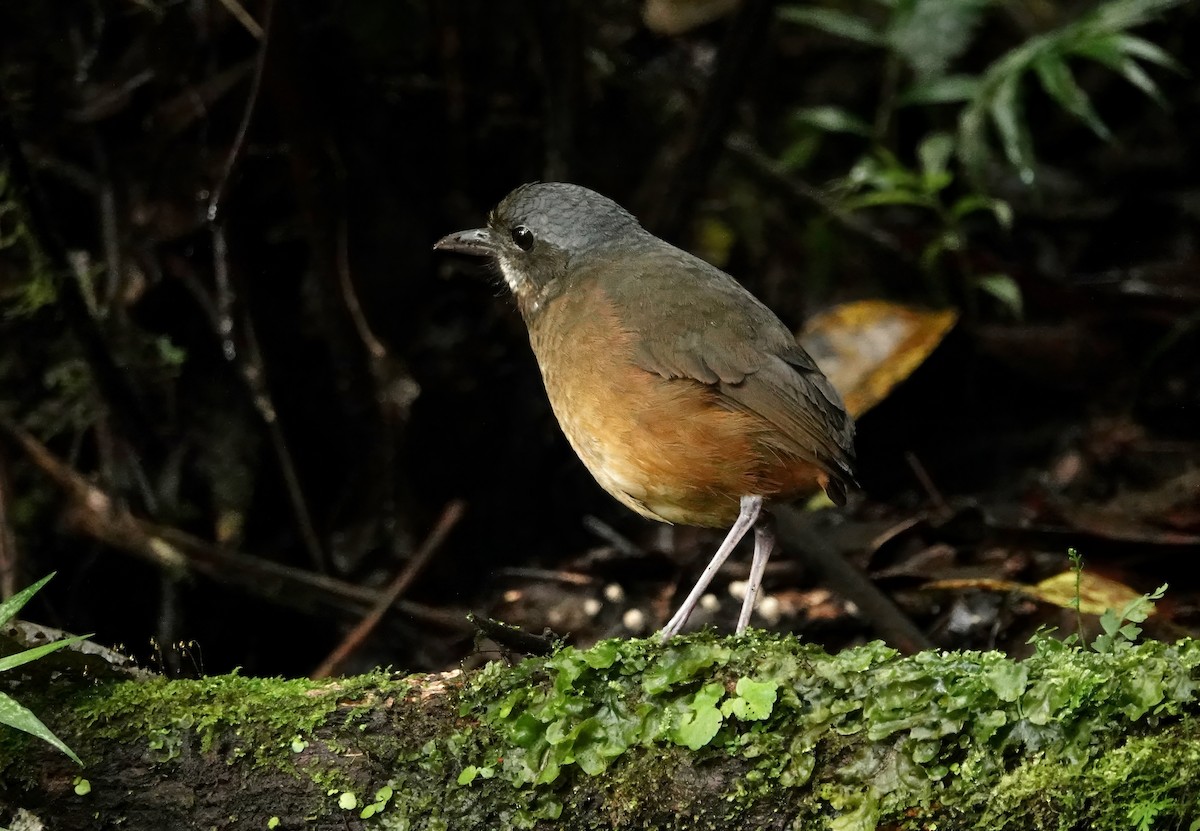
(764, 544)
(751, 507)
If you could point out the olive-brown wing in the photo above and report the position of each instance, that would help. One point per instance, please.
(691, 320)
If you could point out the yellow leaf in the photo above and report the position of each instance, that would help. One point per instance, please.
(1096, 594)
(867, 347)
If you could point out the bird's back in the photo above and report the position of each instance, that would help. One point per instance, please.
(682, 393)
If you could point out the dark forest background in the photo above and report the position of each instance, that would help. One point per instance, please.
(238, 388)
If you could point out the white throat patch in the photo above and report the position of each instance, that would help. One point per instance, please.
(517, 283)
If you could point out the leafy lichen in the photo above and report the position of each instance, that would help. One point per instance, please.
(266, 719)
(753, 731)
(872, 734)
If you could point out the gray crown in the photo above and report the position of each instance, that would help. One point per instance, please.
(566, 216)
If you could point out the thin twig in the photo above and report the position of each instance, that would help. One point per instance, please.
(366, 334)
(568, 578)
(252, 366)
(239, 13)
(441, 529)
(394, 390)
(514, 638)
(235, 152)
(931, 490)
(612, 536)
(771, 173)
(93, 512)
(251, 363)
(109, 226)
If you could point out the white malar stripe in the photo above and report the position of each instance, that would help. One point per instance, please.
(517, 283)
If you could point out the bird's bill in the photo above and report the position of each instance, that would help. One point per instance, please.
(476, 242)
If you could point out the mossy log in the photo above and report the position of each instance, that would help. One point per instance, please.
(754, 732)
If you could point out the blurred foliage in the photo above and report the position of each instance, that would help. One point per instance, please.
(998, 94)
(34, 289)
(929, 38)
(881, 179)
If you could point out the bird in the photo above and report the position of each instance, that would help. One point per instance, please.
(686, 398)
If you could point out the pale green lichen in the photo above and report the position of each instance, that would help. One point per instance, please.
(251, 712)
(1066, 738)
(930, 732)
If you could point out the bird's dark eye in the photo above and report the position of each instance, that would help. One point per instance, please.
(523, 237)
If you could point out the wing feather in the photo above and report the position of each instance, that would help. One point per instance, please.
(691, 320)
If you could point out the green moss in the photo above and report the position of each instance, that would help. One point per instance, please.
(268, 721)
(927, 732)
(849, 741)
(1130, 777)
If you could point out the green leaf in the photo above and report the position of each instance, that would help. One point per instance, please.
(15, 715)
(754, 699)
(595, 747)
(863, 816)
(1101, 36)
(948, 240)
(1143, 814)
(882, 172)
(602, 655)
(1007, 111)
(988, 722)
(10, 661)
(10, 607)
(1109, 622)
(1041, 702)
(549, 808)
(702, 719)
(888, 197)
(943, 90)
(832, 120)
(838, 24)
(1007, 679)
(549, 772)
(934, 153)
(973, 202)
(972, 140)
(1059, 83)
(1147, 51)
(929, 34)
(1140, 608)
(1114, 15)
(1108, 52)
(677, 664)
(468, 774)
(1003, 288)
(800, 152)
